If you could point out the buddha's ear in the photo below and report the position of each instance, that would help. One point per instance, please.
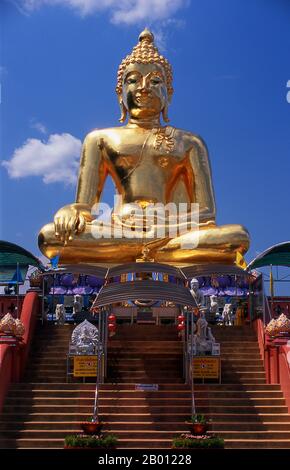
(123, 109)
(165, 112)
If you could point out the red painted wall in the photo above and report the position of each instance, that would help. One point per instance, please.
(276, 357)
(13, 357)
(29, 314)
(6, 367)
(284, 365)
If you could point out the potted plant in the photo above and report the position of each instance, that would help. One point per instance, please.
(193, 441)
(198, 424)
(82, 441)
(92, 425)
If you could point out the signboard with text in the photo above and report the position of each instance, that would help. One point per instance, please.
(147, 387)
(206, 367)
(85, 366)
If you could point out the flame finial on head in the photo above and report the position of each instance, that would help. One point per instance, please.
(145, 52)
(146, 35)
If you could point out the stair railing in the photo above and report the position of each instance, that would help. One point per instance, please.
(268, 312)
(101, 358)
(188, 355)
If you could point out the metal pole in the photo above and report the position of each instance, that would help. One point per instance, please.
(53, 297)
(42, 302)
(106, 345)
(192, 375)
(104, 314)
(264, 303)
(236, 301)
(272, 288)
(17, 290)
(186, 347)
(96, 401)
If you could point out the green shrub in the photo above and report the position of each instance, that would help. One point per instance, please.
(201, 419)
(205, 442)
(80, 440)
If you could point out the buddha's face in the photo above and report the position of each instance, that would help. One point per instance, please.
(144, 90)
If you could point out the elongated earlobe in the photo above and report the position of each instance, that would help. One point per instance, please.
(165, 113)
(123, 111)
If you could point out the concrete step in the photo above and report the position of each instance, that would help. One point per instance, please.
(149, 373)
(253, 381)
(162, 417)
(75, 426)
(115, 426)
(145, 401)
(145, 379)
(106, 386)
(204, 408)
(141, 344)
(52, 417)
(257, 444)
(229, 444)
(77, 393)
(144, 355)
(154, 361)
(60, 434)
(227, 367)
(124, 380)
(243, 373)
(146, 434)
(6, 443)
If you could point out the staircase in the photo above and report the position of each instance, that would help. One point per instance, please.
(247, 412)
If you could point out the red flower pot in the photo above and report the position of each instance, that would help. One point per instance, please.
(198, 428)
(92, 427)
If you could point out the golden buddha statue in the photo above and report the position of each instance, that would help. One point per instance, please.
(150, 163)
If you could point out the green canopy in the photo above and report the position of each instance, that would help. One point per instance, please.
(277, 255)
(14, 263)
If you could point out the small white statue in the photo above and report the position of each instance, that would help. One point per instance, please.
(77, 305)
(212, 310)
(85, 338)
(60, 314)
(203, 340)
(202, 344)
(201, 325)
(213, 305)
(196, 293)
(227, 315)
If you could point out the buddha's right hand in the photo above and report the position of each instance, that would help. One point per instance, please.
(71, 220)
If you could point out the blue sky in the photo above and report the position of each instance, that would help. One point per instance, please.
(231, 67)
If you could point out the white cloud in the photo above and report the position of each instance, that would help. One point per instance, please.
(121, 11)
(56, 160)
(38, 126)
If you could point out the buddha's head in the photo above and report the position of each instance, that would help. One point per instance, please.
(144, 84)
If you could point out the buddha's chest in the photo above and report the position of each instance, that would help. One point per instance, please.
(157, 152)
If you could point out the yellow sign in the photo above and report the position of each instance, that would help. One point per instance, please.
(85, 366)
(206, 367)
